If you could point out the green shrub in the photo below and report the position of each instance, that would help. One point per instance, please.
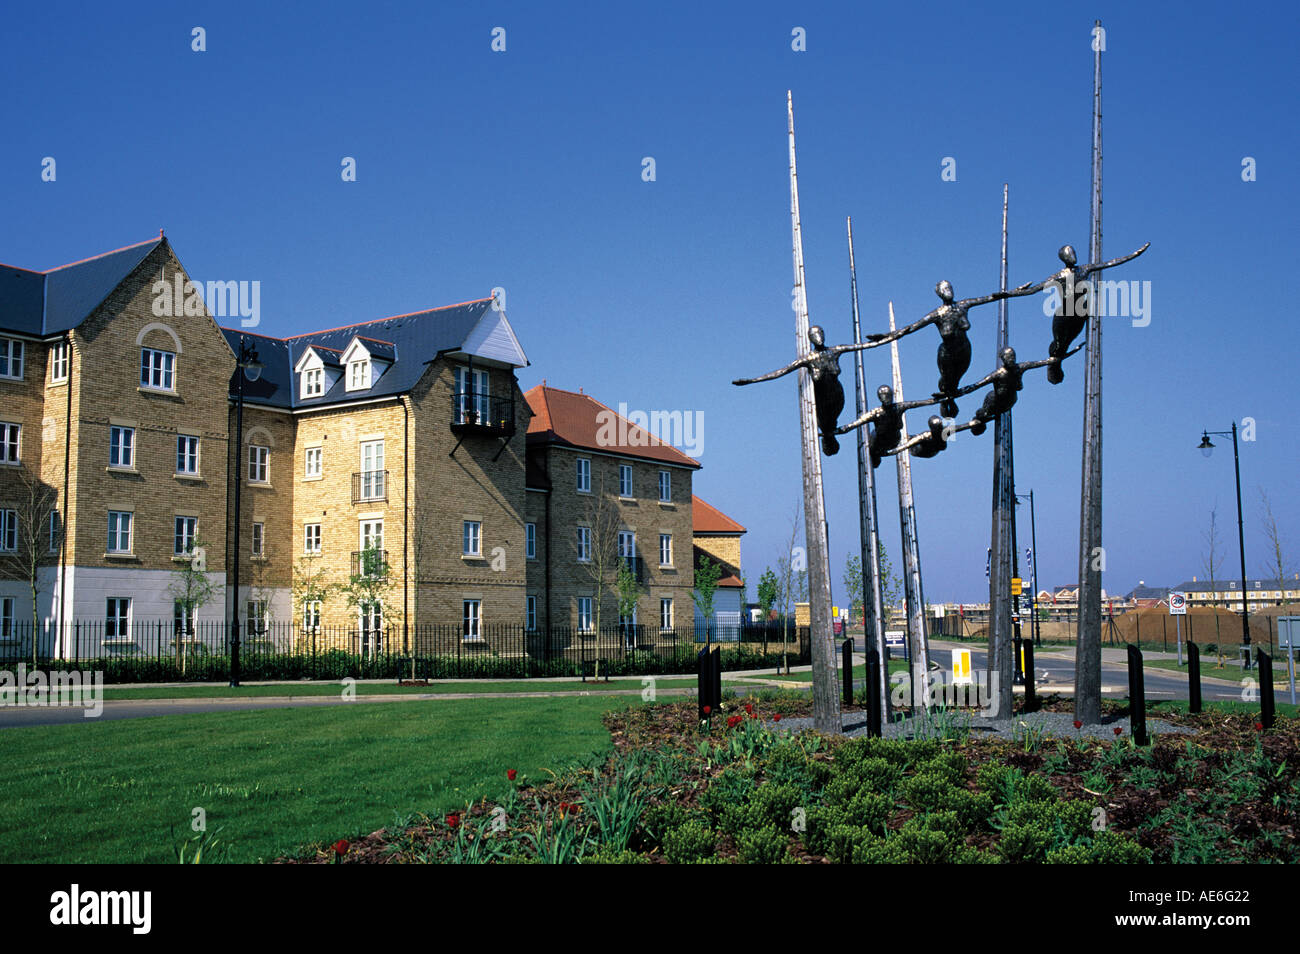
(974, 810)
(1112, 848)
(689, 842)
(850, 844)
(659, 818)
(775, 804)
(787, 762)
(1025, 843)
(604, 855)
(763, 846)
(731, 788)
(927, 790)
(951, 765)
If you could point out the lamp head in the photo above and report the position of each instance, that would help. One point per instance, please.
(1206, 446)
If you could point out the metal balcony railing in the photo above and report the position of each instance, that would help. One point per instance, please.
(477, 412)
(369, 485)
(370, 563)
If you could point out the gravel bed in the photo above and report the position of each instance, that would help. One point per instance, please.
(1057, 725)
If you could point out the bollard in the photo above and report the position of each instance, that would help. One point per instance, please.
(873, 694)
(717, 677)
(846, 663)
(704, 687)
(1137, 701)
(1193, 676)
(1265, 664)
(1017, 666)
(1031, 701)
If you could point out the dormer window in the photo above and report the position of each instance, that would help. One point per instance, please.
(313, 382)
(359, 374)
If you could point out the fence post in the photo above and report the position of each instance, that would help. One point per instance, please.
(873, 693)
(703, 686)
(1137, 702)
(1164, 632)
(1193, 676)
(1266, 711)
(846, 664)
(1031, 700)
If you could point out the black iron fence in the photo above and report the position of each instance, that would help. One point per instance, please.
(157, 651)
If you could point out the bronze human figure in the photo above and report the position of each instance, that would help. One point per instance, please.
(886, 422)
(1006, 381)
(954, 348)
(1076, 296)
(823, 364)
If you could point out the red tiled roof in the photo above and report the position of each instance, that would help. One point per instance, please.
(709, 519)
(730, 580)
(579, 420)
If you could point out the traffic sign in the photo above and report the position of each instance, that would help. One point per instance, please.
(961, 675)
(1016, 585)
(1177, 604)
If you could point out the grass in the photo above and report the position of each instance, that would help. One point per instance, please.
(273, 781)
(1155, 709)
(1210, 667)
(859, 673)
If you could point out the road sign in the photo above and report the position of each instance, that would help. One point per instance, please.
(1177, 604)
(1016, 586)
(961, 675)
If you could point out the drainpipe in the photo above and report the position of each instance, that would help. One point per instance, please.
(406, 526)
(63, 530)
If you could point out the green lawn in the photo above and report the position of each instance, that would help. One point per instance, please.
(859, 672)
(1210, 667)
(273, 780)
(1246, 708)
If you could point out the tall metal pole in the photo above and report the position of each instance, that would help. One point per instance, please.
(1241, 544)
(1000, 661)
(873, 629)
(916, 635)
(1087, 662)
(826, 703)
(239, 473)
(1033, 543)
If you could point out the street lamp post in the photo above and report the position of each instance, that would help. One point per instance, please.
(1207, 448)
(1033, 566)
(247, 367)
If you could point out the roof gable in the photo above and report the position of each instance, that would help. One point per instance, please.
(579, 420)
(707, 519)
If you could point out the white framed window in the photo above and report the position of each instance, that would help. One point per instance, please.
(311, 538)
(665, 549)
(625, 480)
(584, 614)
(11, 442)
(184, 623)
(11, 358)
(665, 612)
(56, 531)
(259, 539)
(311, 616)
(6, 617)
(473, 396)
(584, 475)
(359, 375)
(665, 486)
(119, 531)
(313, 462)
(372, 534)
(626, 544)
(313, 382)
(187, 454)
(530, 541)
(255, 617)
(584, 544)
(121, 446)
(472, 617)
(8, 531)
(259, 458)
(157, 369)
(530, 614)
(372, 470)
(187, 529)
(471, 543)
(117, 617)
(58, 362)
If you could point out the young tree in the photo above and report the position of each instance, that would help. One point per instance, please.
(707, 575)
(603, 519)
(853, 584)
(769, 589)
(787, 566)
(1212, 561)
(190, 587)
(311, 588)
(366, 590)
(1281, 561)
(33, 541)
(891, 587)
(628, 590)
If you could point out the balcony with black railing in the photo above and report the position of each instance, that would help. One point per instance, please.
(482, 414)
(370, 563)
(636, 565)
(369, 486)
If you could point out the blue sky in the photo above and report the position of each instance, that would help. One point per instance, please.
(522, 169)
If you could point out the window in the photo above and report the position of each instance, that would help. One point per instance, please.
(312, 467)
(259, 539)
(10, 443)
(186, 530)
(8, 531)
(311, 538)
(665, 486)
(584, 544)
(157, 369)
(626, 544)
(530, 541)
(117, 618)
(58, 362)
(11, 358)
(121, 446)
(258, 460)
(6, 617)
(183, 623)
(313, 382)
(372, 470)
(473, 619)
(584, 614)
(56, 531)
(625, 480)
(359, 375)
(530, 614)
(473, 397)
(665, 613)
(665, 549)
(584, 475)
(255, 615)
(187, 454)
(311, 616)
(470, 544)
(119, 531)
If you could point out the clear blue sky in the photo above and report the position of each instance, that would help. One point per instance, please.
(523, 169)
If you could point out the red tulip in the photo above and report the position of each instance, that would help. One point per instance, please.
(1078, 724)
(1259, 727)
(777, 717)
(340, 847)
(453, 820)
(1118, 731)
(749, 708)
(753, 715)
(510, 774)
(708, 709)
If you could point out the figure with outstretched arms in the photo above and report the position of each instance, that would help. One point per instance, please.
(1006, 382)
(1076, 298)
(933, 440)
